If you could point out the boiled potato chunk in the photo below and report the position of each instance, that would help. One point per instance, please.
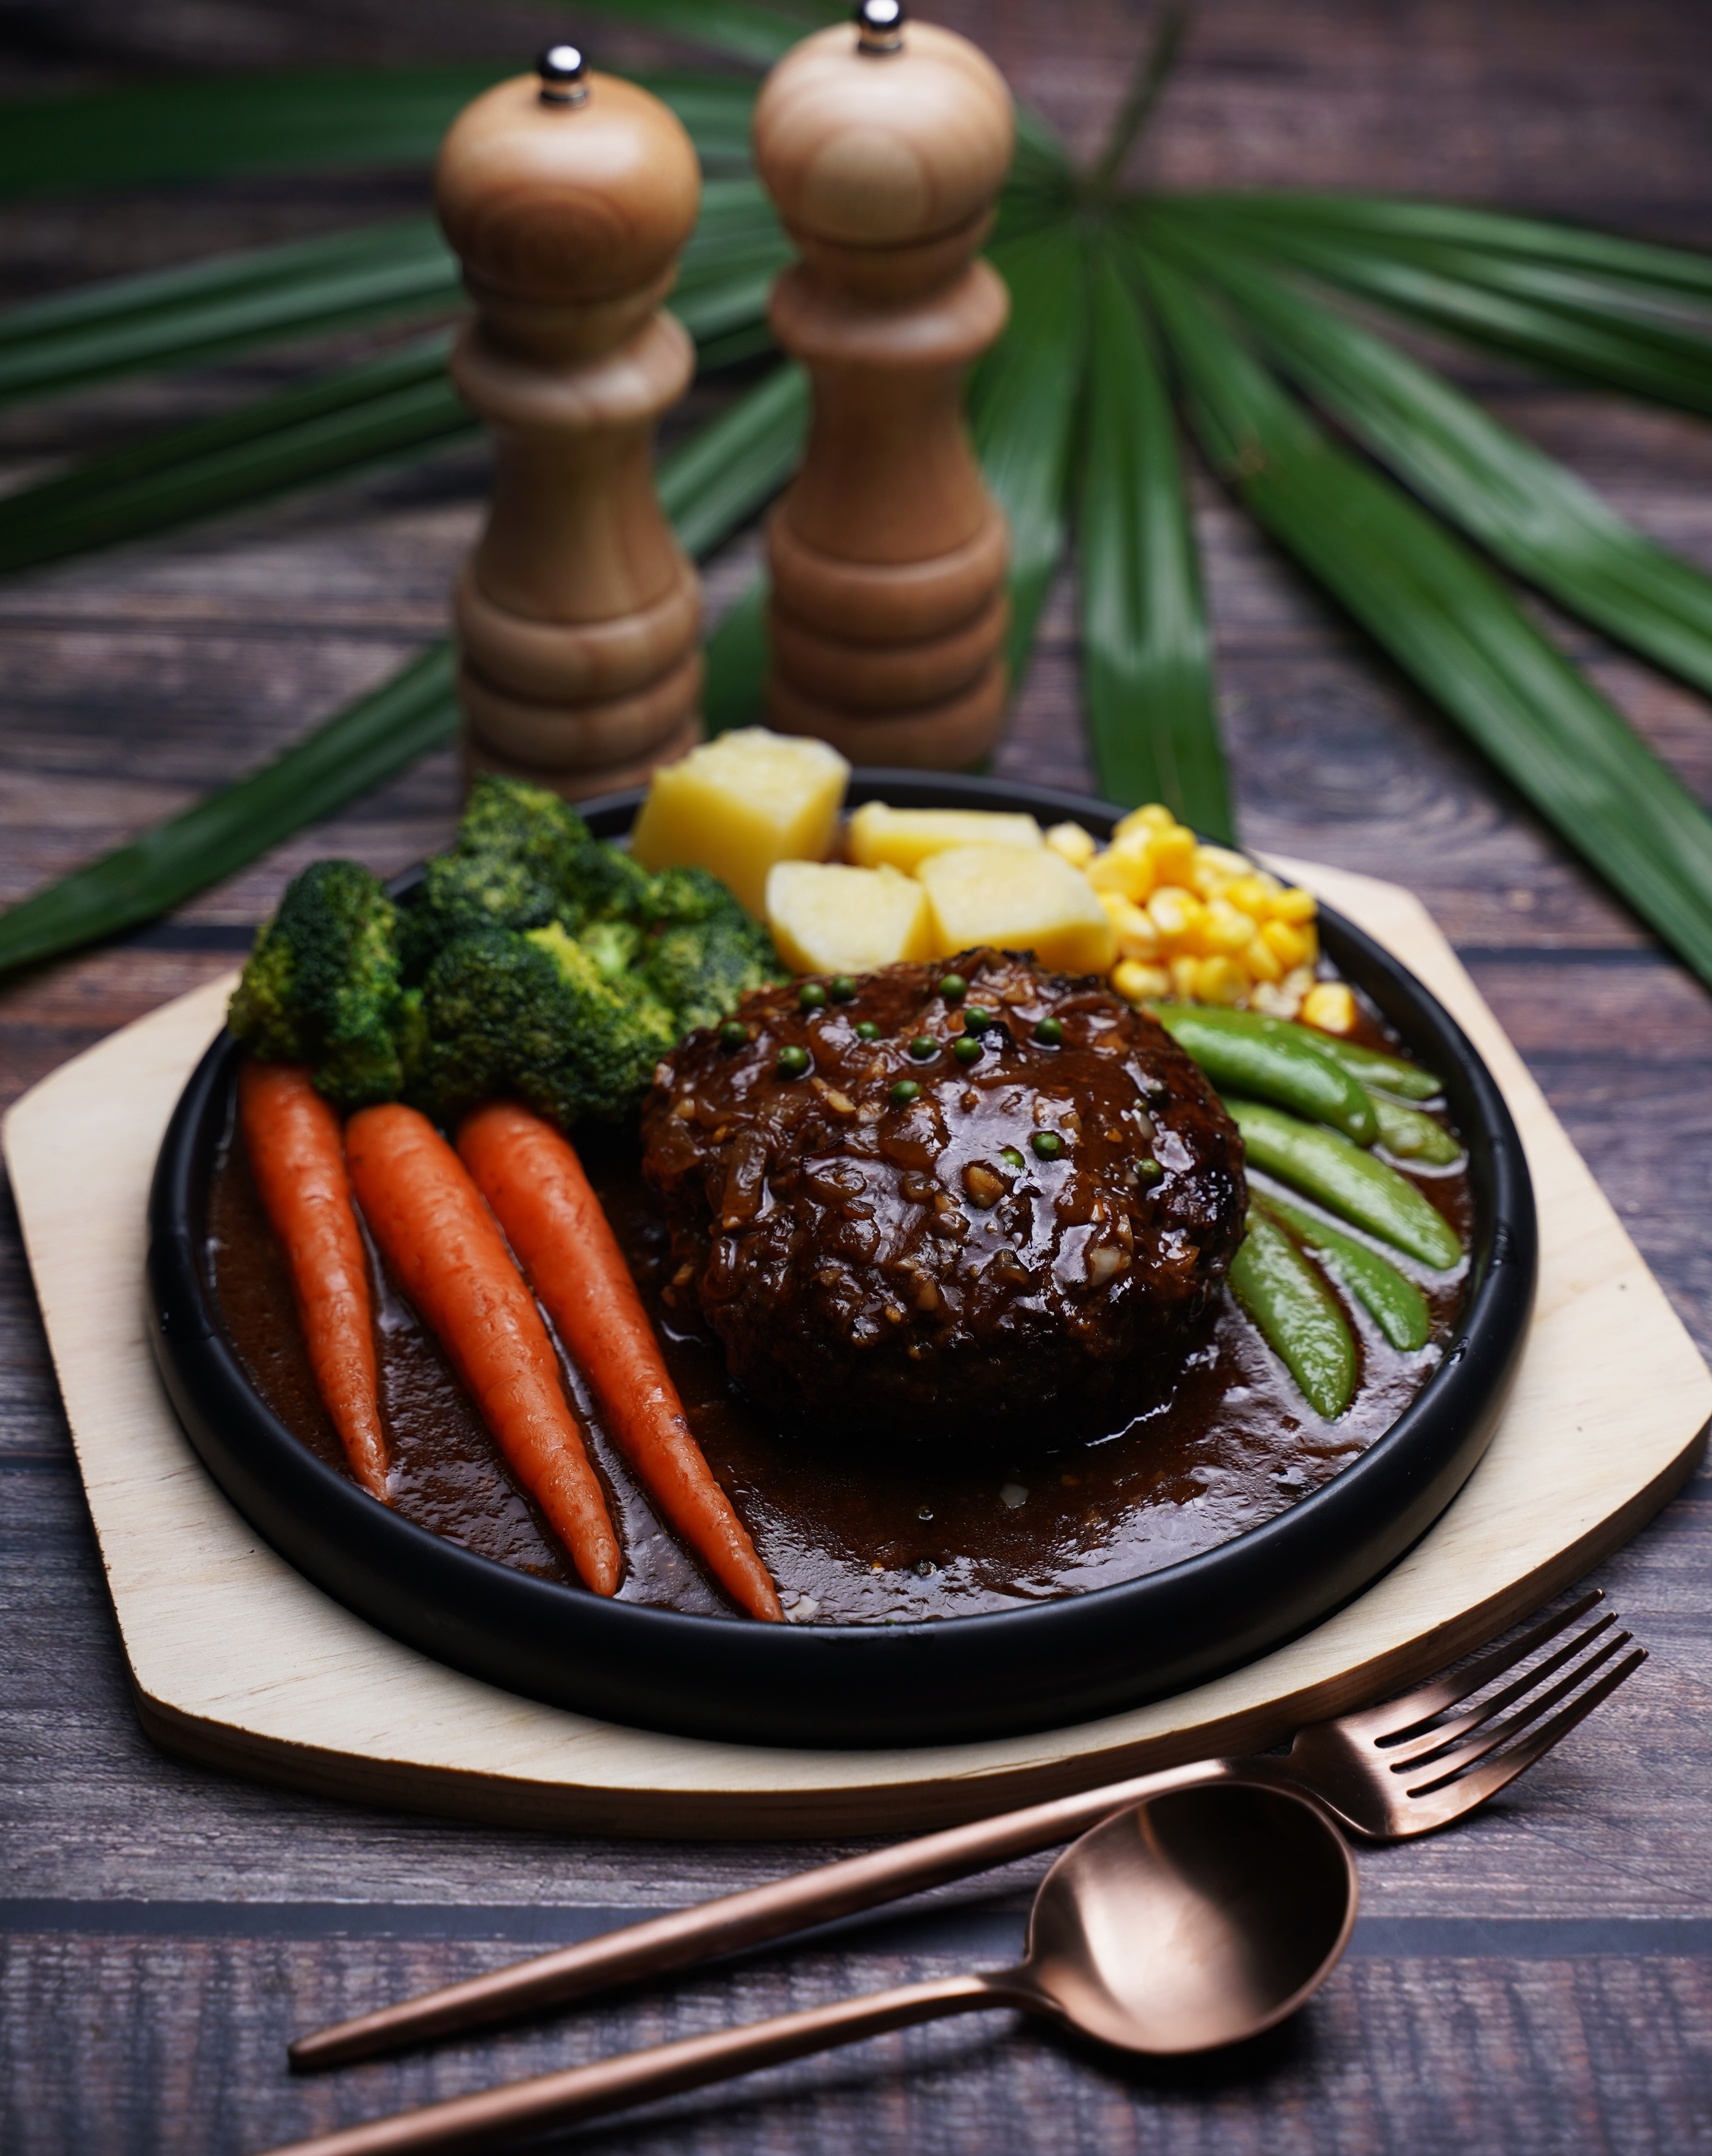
(905, 838)
(829, 919)
(737, 804)
(1022, 898)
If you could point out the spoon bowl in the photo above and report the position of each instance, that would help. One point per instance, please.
(1192, 1919)
(1197, 1919)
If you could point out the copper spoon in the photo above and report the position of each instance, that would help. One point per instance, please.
(1196, 1919)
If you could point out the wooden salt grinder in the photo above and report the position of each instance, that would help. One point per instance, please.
(884, 147)
(569, 196)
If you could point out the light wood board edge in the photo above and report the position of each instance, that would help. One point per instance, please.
(238, 1662)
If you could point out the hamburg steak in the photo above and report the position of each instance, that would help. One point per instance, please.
(941, 1198)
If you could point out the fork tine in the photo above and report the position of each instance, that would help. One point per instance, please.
(1450, 1799)
(1403, 1752)
(1420, 1706)
(1464, 1756)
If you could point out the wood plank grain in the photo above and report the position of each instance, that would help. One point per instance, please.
(159, 668)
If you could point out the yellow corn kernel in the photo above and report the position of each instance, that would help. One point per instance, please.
(1261, 960)
(1078, 846)
(1172, 854)
(1175, 913)
(1251, 896)
(1125, 870)
(1222, 931)
(1310, 938)
(1143, 823)
(1136, 981)
(1137, 936)
(1294, 903)
(1285, 943)
(1220, 865)
(1183, 971)
(1220, 980)
(1330, 1006)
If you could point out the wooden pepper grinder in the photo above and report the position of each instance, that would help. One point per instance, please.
(569, 196)
(884, 147)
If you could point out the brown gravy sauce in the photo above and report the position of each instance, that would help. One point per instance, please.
(1189, 1456)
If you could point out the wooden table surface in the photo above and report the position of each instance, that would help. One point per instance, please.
(1537, 1980)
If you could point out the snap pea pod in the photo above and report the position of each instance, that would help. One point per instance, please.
(1297, 1314)
(1371, 1067)
(1277, 1060)
(1411, 1135)
(1345, 1180)
(1395, 1304)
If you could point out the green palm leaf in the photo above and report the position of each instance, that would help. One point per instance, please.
(187, 316)
(341, 423)
(1469, 293)
(1146, 660)
(344, 422)
(396, 271)
(756, 30)
(1537, 518)
(402, 273)
(1449, 624)
(1021, 411)
(366, 743)
(707, 495)
(1533, 239)
(739, 652)
(213, 128)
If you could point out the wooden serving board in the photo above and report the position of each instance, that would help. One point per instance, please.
(236, 1661)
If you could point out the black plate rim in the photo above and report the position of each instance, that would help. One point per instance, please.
(933, 1682)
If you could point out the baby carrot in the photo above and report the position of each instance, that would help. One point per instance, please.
(533, 1180)
(440, 1239)
(297, 1158)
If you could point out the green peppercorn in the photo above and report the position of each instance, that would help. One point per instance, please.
(1049, 1032)
(841, 989)
(923, 1046)
(1148, 1171)
(867, 1030)
(734, 1034)
(1013, 1160)
(811, 996)
(904, 1091)
(954, 988)
(967, 1050)
(1048, 1144)
(793, 1061)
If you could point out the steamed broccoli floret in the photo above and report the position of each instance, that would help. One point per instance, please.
(615, 1032)
(463, 892)
(530, 825)
(535, 1015)
(523, 858)
(604, 884)
(710, 953)
(538, 961)
(530, 828)
(612, 944)
(687, 895)
(515, 850)
(322, 985)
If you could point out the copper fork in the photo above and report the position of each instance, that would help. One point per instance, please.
(1386, 1772)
